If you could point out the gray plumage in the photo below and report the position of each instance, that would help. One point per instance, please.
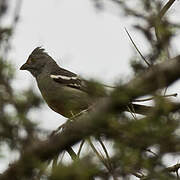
(63, 90)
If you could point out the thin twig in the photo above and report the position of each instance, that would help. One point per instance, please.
(72, 154)
(165, 8)
(165, 90)
(177, 174)
(151, 98)
(80, 147)
(132, 112)
(148, 150)
(55, 161)
(105, 150)
(101, 158)
(108, 86)
(62, 156)
(137, 48)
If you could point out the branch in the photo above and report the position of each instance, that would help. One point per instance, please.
(94, 122)
(157, 77)
(165, 8)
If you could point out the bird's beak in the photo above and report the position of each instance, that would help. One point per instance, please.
(24, 67)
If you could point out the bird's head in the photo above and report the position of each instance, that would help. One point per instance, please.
(36, 61)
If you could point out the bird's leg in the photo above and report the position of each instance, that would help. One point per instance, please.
(80, 113)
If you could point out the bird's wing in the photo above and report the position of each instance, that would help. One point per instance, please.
(67, 78)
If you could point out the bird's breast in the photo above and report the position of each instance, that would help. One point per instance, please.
(64, 100)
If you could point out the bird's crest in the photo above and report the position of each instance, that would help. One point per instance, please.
(38, 50)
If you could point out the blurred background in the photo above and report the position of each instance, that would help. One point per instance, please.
(81, 37)
(84, 36)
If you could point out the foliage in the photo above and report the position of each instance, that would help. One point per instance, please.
(139, 142)
(14, 106)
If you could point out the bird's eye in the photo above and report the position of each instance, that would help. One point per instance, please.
(30, 60)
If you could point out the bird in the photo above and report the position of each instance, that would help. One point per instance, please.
(64, 91)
